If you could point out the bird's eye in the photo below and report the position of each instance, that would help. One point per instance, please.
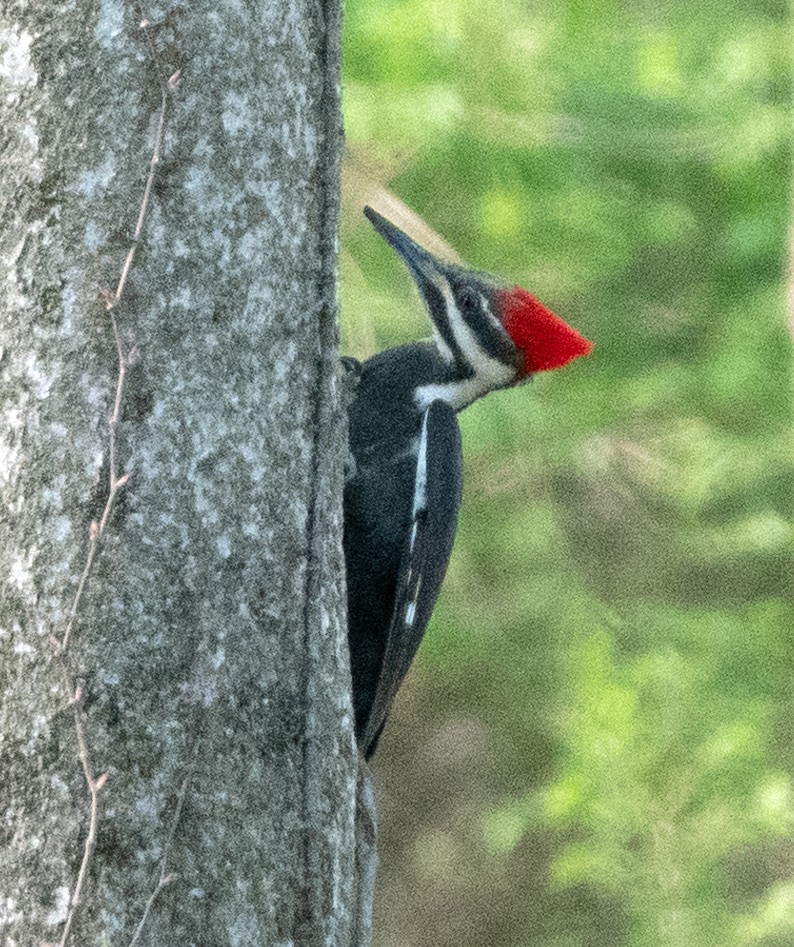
(468, 298)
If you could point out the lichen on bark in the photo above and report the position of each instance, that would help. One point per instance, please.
(209, 649)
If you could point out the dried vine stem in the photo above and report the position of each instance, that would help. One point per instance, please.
(95, 784)
(166, 877)
(117, 483)
(96, 532)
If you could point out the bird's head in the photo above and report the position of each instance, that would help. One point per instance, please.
(496, 335)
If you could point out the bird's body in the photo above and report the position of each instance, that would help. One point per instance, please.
(403, 488)
(385, 428)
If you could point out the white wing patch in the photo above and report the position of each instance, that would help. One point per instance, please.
(420, 505)
(410, 608)
(420, 484)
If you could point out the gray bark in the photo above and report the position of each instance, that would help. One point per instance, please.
(209, 644)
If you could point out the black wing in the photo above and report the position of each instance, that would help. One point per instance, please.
(437, 494)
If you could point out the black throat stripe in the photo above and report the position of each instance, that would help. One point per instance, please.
(440, 316)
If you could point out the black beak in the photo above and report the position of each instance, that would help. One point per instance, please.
(424, 267)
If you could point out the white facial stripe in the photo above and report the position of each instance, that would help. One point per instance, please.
(496, 372)
(489, 370)
(443, 349)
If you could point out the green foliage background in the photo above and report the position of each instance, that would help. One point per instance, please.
(596, 747)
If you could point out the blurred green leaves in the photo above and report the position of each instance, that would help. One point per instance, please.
(596, 744)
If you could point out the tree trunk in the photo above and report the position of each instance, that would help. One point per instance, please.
(176, 743)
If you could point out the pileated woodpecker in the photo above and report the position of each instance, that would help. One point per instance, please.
(403, 486)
